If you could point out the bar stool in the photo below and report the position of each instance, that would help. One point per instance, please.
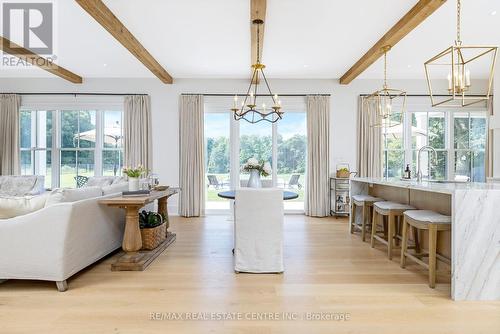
(366, 203)
(391, 210)
(434, 223)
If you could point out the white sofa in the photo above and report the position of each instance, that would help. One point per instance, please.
(21, 185)
(57, 241)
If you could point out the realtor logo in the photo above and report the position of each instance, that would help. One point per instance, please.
(29, 25)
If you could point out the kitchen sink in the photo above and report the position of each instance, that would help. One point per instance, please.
(447, 181)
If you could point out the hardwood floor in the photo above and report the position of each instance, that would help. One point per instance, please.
(327, 271)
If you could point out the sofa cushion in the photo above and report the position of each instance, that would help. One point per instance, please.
(119, 179)
(62, 195)
(99, 181)
(17, 206)
(18, 185)
(115, 188)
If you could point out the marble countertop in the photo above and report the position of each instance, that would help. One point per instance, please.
(445, 188)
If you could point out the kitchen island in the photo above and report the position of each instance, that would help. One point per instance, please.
(474, 243)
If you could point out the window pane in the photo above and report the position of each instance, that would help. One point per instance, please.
(395, 163)
(478, 170)
(25, 128)
(27, 163)
(440, 167)
(436, 130)
(462, 164)
(112, 129)
(44, 131)
(217, 162)
(255, 142)
(43, 160)
(418, 129)
(85, 164)
(461, 130)
(69, 129)
(112, 163)
(68, 169)
(394, 136)
(292, 153)
(477, 132)
(87, 129)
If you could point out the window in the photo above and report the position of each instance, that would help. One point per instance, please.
(459, 139)
(217, 163)
(78, 146)
(231, 143)
(36, 143)
(469, 133)
(112, 141)
(64, 144)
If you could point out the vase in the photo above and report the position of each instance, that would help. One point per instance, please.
(133, 183)
(254, 180)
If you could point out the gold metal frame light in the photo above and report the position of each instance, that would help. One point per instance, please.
(249, 110)
(384, 98)
(458, 58)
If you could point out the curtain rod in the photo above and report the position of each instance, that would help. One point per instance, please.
(427, 95)
(243, 94)
(75, 94)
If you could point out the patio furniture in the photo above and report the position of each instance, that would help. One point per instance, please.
(294, 181)
(214, 182)
(81, 180)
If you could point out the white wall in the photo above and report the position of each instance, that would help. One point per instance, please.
(165, 98)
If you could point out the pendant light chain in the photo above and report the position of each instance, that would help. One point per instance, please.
(459, 8)
(385, 69)
(258, 43)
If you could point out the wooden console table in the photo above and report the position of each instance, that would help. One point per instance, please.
(133, 258)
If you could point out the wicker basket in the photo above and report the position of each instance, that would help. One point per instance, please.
(153, 237)
(343, 174)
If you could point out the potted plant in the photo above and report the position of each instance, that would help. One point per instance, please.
(133, 176)
(256, 169)
(153, 229)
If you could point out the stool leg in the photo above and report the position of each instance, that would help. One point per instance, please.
(353, 217)
(404, 243)
(363, 223)
(390, 236)
(432, 254)
(374, 227)
(417, 243)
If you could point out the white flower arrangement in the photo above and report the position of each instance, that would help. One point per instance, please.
(264, 168)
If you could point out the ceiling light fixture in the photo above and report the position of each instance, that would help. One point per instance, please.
(493, 13)
(389, 103)
(249, 110)
(455, 64)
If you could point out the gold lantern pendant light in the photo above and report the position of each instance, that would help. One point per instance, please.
(455, 64)
(389, 103)
(250, 111)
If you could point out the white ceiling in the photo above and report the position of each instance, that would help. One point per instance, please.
(303, 38)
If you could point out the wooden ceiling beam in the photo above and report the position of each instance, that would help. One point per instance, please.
(34, 59)
(257, 11)
(416, 15)
(103, 15)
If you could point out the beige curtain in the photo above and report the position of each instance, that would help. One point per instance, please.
(137, 133)
(318, 156)
(369, 146)
(9, 134)
(192, 156)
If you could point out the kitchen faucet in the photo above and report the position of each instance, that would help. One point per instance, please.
(419, 170)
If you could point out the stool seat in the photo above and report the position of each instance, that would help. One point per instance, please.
(366, 198)
(387, 205)
(427, 216)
